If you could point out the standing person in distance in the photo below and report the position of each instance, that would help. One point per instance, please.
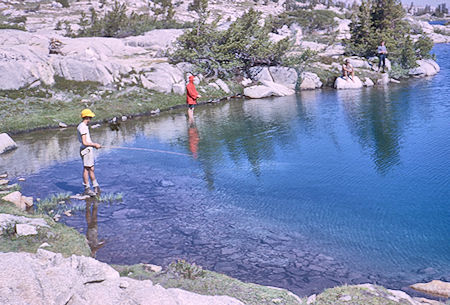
(87, 153)
(191, 98)
(382, 54)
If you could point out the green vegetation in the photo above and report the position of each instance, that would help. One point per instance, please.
(28, 109)
(382, 20)
(53, 205)
(61, 238)
(310, 21)
(117, 23)
(357, 295)
(210, 283)
(224, 53)
(16, 23)
(64, 3)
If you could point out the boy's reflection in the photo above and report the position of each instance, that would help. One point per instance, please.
(92, 225)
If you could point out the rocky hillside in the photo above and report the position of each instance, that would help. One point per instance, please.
(141, 61)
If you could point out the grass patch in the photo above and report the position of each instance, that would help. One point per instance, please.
(62, 239)
(30, 109)
(209, 283)
(359, 295)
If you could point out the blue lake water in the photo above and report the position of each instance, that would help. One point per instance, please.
(302, 192)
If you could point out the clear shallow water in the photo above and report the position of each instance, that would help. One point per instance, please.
(301, 192)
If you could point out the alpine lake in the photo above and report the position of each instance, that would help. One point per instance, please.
(302, 192)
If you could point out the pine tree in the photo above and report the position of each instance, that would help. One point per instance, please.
(163, 8)
(361, 30)
(200, 7)
(408, 55)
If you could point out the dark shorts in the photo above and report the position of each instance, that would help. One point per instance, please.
(191, 106)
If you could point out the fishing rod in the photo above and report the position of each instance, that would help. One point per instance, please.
(148, 150)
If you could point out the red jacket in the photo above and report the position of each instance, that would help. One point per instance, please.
(191, 92)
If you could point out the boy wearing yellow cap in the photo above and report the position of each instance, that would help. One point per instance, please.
(87, 153)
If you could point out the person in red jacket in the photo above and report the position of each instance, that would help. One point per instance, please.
(191, 97)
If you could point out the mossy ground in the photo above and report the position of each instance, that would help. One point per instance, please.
(61, 238)
(212, 283)
(29, 109)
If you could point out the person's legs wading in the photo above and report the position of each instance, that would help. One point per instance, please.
(87, 155)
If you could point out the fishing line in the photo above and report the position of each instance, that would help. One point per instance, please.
(148, 149)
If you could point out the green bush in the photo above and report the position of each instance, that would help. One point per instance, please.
(310, 21)
(117, 23)
(64, 3)
(398, 72)
(222, 53)
(423, 47)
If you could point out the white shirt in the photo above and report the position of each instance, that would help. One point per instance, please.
(83, 129)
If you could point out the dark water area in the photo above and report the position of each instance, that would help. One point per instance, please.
(302, 192)
(438, 22)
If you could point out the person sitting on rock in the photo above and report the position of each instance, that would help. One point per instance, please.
(347, 69)
(382, 53)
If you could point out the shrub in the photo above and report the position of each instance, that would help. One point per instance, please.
(181, 268)
(423, 47)
(398, 72)
(116, 23)
(310, 21)
(221, 53)
(64, 3)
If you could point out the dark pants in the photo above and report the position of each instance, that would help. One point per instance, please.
(382, 59)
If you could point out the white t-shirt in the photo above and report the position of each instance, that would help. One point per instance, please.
(83, 129)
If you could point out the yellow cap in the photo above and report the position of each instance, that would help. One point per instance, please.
(87, 113)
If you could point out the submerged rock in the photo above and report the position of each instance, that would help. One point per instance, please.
(6, 143)
(49, 278)
(342, 83)
(435, 287)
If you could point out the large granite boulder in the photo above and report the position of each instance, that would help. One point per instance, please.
(23, 60)
(427, 67)
(310, 81)
(163, 77)
(285, 76)
(267, 89)
(49, 278)
(160, 39)
(260, 74)
(342, 83)
(6, 143)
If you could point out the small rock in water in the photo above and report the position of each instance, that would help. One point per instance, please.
(79, 197)
(124, 118)
(68, 213)
(155, 111)
(21, 179)
(62, 125)
(12, 186)
(167, 183)
(96, 126)
(56, 217)
(4, 182)
(3, 176)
